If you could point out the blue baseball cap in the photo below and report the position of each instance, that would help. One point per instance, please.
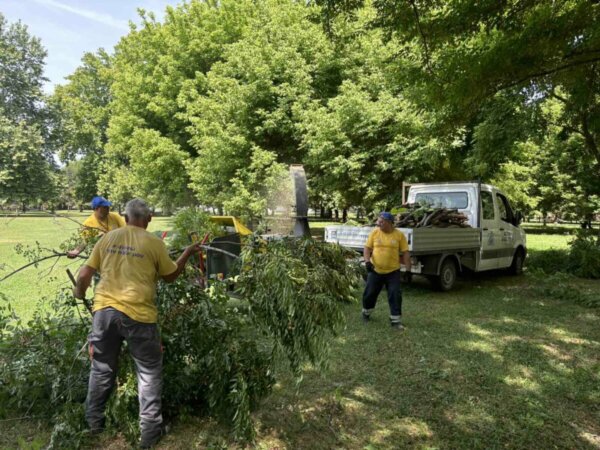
(387, 216)
(97, 202)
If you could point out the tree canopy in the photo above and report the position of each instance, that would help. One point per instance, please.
(26, 169)
(209, 105)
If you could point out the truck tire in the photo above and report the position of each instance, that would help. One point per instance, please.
(447, 278)
(516, 268)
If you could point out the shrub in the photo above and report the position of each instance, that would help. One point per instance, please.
(44, 362)
(192, 219)
(563, 286)
(220, 349)
(549, 261)
(294, 287)
(581, 259)
(584, 255)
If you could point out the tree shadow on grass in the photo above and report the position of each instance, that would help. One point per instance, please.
(477, 369)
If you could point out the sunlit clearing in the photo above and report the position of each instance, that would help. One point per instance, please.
(555, 352)
(367, 394)
(407, 426)
(478, 330)
(523, 381)
(473, 417)
(480, 346)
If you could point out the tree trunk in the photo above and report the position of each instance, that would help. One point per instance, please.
(590, 141)
(344, 215)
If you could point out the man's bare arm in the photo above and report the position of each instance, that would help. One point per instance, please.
(181, 261)
(367, 252)
(406, 260)
(83, 281)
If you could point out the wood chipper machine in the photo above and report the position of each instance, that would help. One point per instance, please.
(219, 255)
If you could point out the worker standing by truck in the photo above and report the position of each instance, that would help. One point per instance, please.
(382, 259)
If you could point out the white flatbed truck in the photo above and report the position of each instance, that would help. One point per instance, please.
(494, 239)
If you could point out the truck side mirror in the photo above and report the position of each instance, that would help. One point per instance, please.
(518, 218)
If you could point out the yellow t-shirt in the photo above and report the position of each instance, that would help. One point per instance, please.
(94, 227)
(386, 249)
(130, 261)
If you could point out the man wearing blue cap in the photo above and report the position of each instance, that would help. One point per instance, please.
(382, 259)
(101, 221)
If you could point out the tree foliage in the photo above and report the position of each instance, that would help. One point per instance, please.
(21, 73)
(220, 350)
(81, 108)
(25, 172)
(365, 94)
(25, 175)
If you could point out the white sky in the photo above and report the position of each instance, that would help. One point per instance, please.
(69, 28)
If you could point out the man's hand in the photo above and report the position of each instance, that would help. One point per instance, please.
(370, 267)
(83, 281)
(190, 250)
(72, 254)
(193, 249)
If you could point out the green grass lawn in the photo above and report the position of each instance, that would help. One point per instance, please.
(488, 365)
(544, 242)
(24, 288)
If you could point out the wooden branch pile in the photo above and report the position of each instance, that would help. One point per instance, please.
(417, 216)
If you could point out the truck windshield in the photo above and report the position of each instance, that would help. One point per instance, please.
(457, 200)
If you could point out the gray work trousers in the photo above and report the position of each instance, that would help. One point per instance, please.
(109, 329)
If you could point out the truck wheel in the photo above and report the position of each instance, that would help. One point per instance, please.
(516, 268)
(447, 277)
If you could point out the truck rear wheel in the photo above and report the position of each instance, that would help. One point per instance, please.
(447, 277)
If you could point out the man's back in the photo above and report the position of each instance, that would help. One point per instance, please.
(130, 261)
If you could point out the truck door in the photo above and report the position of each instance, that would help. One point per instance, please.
(490, 234)
(507, 231)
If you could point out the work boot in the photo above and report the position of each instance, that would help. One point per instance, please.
(152, 441)
(397, 326)
(365, 318)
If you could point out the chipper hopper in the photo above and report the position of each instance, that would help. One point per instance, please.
(221, 252)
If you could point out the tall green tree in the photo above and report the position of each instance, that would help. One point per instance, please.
(81, 111)
(25, 175)
(255, 98)
(371, 136)
(82, 108)
(21, 73)
(223, 83)
(153, 67)
(487, 66)
(25, 161)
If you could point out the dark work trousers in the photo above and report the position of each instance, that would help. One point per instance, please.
(109, 329)
(376, 282)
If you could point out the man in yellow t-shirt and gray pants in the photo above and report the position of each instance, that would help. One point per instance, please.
(382, 259)
(130, 260)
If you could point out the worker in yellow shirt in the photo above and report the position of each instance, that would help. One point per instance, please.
(101, 221)
(382, 253)
(131, 260)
